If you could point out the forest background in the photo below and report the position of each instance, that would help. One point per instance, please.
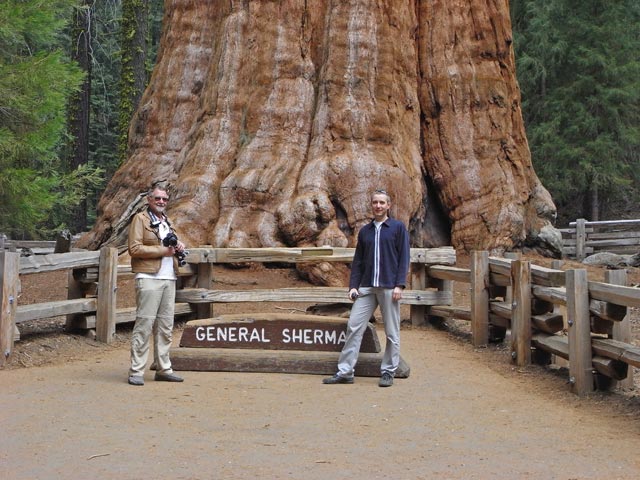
(72, 73)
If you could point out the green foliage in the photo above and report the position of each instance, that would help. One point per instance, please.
(156, 11)
(35, 205)
(579, 72)
(71, 190)
(36, 79)
(26, 199)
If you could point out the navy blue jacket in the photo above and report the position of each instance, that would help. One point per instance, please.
(388, 267)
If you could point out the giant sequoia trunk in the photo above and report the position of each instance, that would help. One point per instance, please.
(274, 120)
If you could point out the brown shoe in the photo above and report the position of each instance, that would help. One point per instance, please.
(167, 377)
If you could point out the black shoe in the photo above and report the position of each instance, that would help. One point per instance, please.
(337, 379)
(386, 380)
(136, 380)
(167, 377)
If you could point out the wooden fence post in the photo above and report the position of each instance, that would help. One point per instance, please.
(9, 279)
(581, 238)
(562, 310)
(509, 290)
(621, 330)
(579, 324)
(75, 290)
(521, 312)
(480, 298)
(205, 280)
(107, 286)
(418, 277)
(441, 286)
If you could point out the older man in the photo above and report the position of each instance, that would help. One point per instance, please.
(156, 268)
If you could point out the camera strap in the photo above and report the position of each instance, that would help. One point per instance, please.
(156, 224)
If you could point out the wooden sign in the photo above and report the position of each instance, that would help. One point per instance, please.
(272, 331)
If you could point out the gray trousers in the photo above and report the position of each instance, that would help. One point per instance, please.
(361, 311)
(155, 310)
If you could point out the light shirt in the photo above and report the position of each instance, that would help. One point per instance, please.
(166, 271)
(376, 255)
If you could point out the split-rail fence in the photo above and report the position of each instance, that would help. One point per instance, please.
(542, 312)
(583, 238)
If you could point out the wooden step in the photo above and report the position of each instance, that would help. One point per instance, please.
(274, 361)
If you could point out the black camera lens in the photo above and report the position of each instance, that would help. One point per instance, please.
(171, 240)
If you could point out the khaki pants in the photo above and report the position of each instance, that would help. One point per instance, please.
(155, 301)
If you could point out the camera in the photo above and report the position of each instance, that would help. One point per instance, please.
(171, 240)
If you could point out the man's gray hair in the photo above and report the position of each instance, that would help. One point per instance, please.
(158, 185)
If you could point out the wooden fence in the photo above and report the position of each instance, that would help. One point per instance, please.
(95, 297)
(584, 238)
(550, 312)
(36, 247)
(543, 312)
(92, 286)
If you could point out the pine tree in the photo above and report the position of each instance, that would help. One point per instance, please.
(36, 79)
(579, 72)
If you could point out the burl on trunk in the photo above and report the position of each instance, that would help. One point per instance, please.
(273, 122)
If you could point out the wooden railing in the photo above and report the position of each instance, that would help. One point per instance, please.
(35, 247)
(544, 312)
(419, 296)
(81, 300)
(92, 286)
(584, 238)
(550, 312)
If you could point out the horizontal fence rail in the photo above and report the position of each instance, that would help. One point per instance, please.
(583, 238)
(304, 295)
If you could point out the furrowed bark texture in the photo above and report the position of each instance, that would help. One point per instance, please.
(274, 121)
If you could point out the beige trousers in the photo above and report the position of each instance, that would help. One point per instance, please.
(155, 301)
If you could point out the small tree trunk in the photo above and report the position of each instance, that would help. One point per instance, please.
(595, 202)
(133, 76)
(79, 105)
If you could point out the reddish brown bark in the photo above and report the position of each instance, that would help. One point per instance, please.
(273, 121)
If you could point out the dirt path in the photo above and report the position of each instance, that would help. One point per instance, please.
(460, 415)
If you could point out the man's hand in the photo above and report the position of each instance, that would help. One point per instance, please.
(397, 294)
